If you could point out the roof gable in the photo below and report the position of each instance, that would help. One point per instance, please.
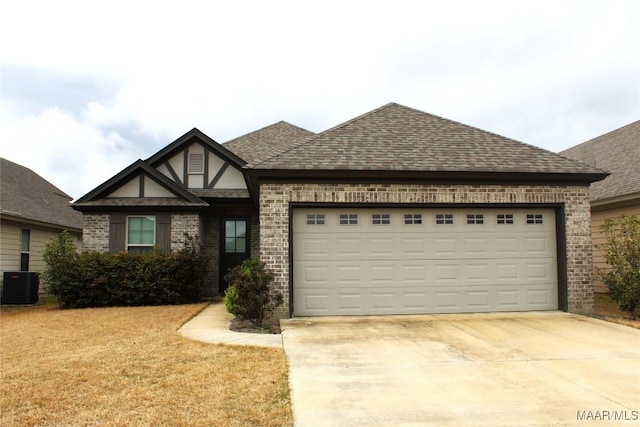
(265, 143)
(618, 152)
(128, 187)
(398, 138)
(26, 195)
(194, 136)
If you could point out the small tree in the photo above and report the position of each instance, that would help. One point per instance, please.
(249, 295)
(622, 253)
(60, 254)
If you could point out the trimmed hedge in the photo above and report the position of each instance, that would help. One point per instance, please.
(95, 279)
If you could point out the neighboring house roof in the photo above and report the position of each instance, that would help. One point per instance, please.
(399, 138)
(618, 152)
(267, 142)
(26, 195)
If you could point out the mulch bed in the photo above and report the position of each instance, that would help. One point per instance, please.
(239, 325)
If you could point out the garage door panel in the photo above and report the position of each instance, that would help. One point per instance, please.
(424, 267)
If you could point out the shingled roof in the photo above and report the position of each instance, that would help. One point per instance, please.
(399, 138)
(26, 195)
(267, 142)
(617, 152)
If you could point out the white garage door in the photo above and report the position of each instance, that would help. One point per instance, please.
(409, 261)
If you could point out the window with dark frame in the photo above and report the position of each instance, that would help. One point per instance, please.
(25, 246)
(412, 219)
(444, 219)
(141, 234)
(235, 235)
(505, 218)
(381, 219)
(348, 219)
(475, 219)
(534, 218)
(315, 219)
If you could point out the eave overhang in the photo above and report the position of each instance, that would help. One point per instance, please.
(255, 176)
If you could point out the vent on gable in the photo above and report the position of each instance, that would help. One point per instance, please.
(196, 163)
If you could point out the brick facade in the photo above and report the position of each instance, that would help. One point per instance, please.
(275, 200)
(182, 224)
(95, 234)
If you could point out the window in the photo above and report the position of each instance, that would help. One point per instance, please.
(315, 219)
(475, 219)
(348, 219)
(141, 234)
(505, 218)
(381, 219)
(534, 218)
(444, 219)
(25, 244)
(411, 219)
(196, 163)
(235, 236)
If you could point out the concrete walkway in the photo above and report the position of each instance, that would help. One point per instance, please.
(212, 325)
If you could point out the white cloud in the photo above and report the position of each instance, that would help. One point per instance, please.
(549, 73)
(73, 155)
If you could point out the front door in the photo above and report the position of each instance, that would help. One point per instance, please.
(235, 246)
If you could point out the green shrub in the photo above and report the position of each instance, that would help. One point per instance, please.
(255, 300)
(622, 253)
(231, 300)
(60, 254)
(95, 279)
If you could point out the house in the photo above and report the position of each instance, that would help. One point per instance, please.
(619, 153)
(32, 211)
(394, 212)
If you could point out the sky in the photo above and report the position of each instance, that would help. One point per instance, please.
(89, 87)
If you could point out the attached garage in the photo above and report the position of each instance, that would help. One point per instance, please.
(367, 261)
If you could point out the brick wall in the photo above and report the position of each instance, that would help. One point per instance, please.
(275, 202)
(95, 235)
(211, 242)
(181, 224)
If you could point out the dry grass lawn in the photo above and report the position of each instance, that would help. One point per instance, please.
(129, 367)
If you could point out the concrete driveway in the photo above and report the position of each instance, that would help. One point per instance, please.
(545, 368)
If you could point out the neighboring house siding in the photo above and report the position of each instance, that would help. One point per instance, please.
(10, 247)
(597, 218)
(275, 200)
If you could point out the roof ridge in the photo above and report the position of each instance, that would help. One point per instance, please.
(264, 128)
(319, 134)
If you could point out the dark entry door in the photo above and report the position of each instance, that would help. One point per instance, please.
(235, 246)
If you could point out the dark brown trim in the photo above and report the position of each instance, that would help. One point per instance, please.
(185, 170)
(423, 177)
(216, 178)
(561, 253)
(291, 249)
(206, 168)
(141, 186)
(173, 173)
